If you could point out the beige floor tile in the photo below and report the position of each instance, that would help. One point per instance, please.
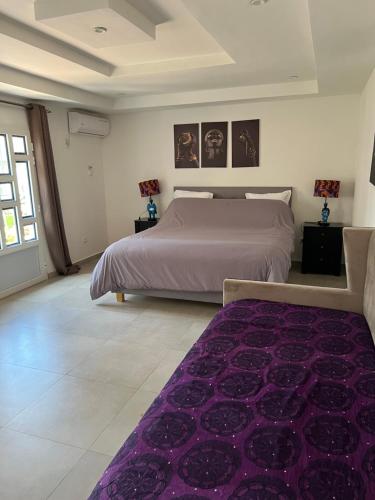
(153, 331)
(110, 441)
(19, 387)
(162, 373)
(44, 349)
(81, 480)
(100, 324)
(44, 316)
(31, 467)
(77, 298)
(295, 276)
(12, 308)
(46, 291)
(193, 334)
(126, 363)
(73, 411)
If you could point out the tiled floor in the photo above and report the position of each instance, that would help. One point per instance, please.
(76, 376)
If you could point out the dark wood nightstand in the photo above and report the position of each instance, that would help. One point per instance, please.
(322, 248)
(143, 224)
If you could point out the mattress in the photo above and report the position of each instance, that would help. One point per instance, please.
(197, 244)
(274, 401)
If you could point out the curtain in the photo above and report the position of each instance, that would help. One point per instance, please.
(48, 190)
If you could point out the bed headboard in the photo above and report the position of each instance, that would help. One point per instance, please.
(236, 192)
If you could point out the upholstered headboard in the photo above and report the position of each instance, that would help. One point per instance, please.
(236, 191)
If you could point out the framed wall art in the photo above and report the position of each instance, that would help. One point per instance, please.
(186, 145)
(214, 144)
(245, 143)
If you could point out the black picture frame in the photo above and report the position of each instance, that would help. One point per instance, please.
(186, 145)
(372, 171)
(214, 144)
(245, 143)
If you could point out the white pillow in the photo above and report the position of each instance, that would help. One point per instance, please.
(192, 194)
(283, 196)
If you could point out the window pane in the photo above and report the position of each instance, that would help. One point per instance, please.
(29, 232)
(4, 156)
(24, 188)
(6, 191)
(10, 227)
(19, 145)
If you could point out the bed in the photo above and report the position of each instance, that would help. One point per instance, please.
(274, 401)
(197, 244)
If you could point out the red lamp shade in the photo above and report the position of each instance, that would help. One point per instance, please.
(327, 189)
(149, 188)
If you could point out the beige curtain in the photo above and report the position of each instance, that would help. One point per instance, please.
(48, 190)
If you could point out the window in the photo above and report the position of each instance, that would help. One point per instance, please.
(19, 144)
(12, 236)
(24, 189)
(18, 221)
(4, 156)
(6, 191)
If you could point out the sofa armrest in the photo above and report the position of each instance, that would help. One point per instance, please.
(332, 298)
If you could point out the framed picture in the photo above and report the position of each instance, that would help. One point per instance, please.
(214, 143)
(186, 145)
(245, 143)
(372, 173)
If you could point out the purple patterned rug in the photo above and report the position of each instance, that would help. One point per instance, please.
(273, 402)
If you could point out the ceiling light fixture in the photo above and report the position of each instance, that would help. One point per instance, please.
(257, 2)
(100, 29)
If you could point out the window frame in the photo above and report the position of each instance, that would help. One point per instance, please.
(27, 157)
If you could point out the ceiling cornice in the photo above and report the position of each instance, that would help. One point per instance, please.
(21, 80)
(212, 96)
(24, 33)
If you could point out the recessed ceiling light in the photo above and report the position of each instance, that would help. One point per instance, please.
(100, 29)
(257, 2)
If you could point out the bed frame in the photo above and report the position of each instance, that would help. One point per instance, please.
(219, 192)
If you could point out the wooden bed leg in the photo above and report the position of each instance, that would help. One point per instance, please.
(120, 297)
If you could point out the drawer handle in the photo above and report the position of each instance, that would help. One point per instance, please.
(322, 234)
(322, 246)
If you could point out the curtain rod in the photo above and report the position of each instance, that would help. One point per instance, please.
(25, 106)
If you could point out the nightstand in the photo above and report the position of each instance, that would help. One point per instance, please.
(322, 248)
(143, 224)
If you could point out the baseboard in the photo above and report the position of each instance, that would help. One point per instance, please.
(22, 286)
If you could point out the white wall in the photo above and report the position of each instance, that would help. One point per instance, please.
(301, 140)
(82, 195)
(364, 199)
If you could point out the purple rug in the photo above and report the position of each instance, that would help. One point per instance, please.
(273, 402)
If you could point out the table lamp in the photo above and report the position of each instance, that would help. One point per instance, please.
(326, 189)
(148, 189)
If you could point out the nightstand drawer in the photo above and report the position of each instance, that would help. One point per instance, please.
(143, 224)
(322, 249)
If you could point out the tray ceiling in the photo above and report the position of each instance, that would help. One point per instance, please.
(204, 51)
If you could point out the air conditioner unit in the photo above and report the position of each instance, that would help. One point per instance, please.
(82, 123)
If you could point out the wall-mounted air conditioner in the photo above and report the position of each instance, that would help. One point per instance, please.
(82, 123)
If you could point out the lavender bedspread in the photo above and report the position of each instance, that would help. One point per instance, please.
(197, 244)
(273, 402)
